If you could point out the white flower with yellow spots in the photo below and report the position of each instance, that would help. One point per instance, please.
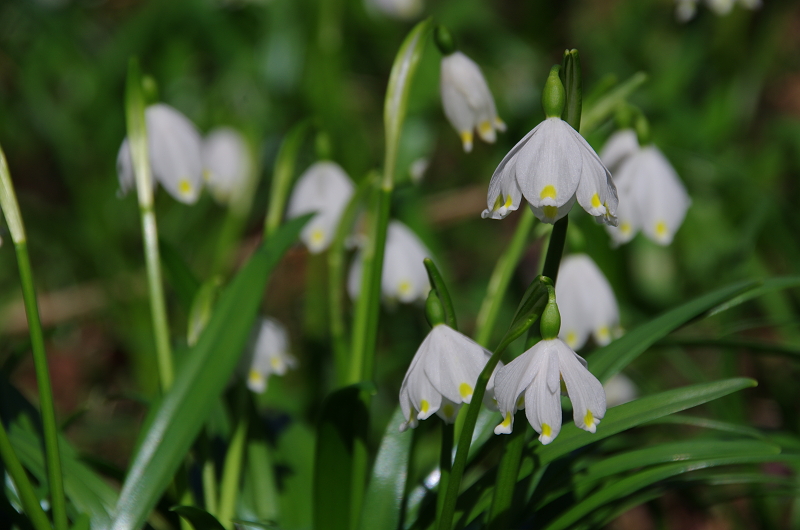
(326, 189)
(552, 167)
(400, 9)
(442, 376)
(269, 354)
(174, 147)
(534, 381)
(620, 389)
(467, 101)
(227, 164)
(586, 302)
(403, 277)
(652, 197)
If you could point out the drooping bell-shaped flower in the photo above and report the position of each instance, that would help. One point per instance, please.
(552, 167)
(652, 197)
(586, 302)
(400, 9)
(269, 354)
(227, 164)
(467, 101)
(442, 376)
(619, 146)
(174, 146)
(535, 380)
(619, 389)
(326, 189)
(404, 277)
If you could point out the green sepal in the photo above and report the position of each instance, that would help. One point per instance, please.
(434, 310)
(553, 95)
(550, 323)
(444, 40)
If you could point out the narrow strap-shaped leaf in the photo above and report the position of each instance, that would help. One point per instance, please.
(384, 498)
(178, 274)
(199, 519)
(210, 363)
(611, 359)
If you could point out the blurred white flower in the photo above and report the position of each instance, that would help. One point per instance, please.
(326, 189)
(227, 164)
(269, 354)
(619, 146)
(685, 10)
(467, 101)
(586, 302)
(174, 146)
(404, 277)
(418, 168)
(552, 167)
(401, 9)
(539, 374)
(619, 389)
(442, 376)
(652, 197)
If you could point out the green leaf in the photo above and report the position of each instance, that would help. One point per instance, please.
(384, 498)
(611, 359)
(199, 519)
(178, 274)
(177, 420)
(706, 423)
(767, 286)
(201, 308)
(437, 282)
(343, 420)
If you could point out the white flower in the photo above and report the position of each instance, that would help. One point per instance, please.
(619, 389)
(269, 354)
(404, 277)
(326, 189)
(174, 147)
(227, 164)
(552, 167)
(652, 198)
(586, 302)
(538, 374)
(685, 10)
(467, 101)
(401, 9)
(619, 146)
(442, 376)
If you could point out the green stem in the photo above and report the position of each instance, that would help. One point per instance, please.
(445, 465)
(10, 207)
(234, 458)
(282, 177)
(555, 249)
(337, 280)
(507, 471)
(27, 495)
(501, 277)
(209, 475)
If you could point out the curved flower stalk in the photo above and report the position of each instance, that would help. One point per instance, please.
(552, 167)
(586, 303)
(400, 9)
(653, 198)
(403, 277)
(533, 381)
(467, 101)
(326, 189)
(227, 164)
(442, 376)
(269, 354)
(175, 148)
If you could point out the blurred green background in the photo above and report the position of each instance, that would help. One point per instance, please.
(722, 96)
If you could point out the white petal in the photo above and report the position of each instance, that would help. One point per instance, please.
(511, 381)
(663, 198)
(596, 193)
(585, 391)
(400, 9)
(455, 363)
(227, 163)
(504, 193)
(543, 396)
(618, 147)
(175, 152)
(268, 353)
(685, 10)
(448, 410)
(551, 214)
(619, 389)
(628, 217)
(548, 167)
(586, 302)
(404, 275)
(326, 189)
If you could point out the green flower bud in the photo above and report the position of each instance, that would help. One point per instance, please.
(553, 96)
(322, 145)
(150, 89)
(434, 310)
(550, 323)
(444, 40)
